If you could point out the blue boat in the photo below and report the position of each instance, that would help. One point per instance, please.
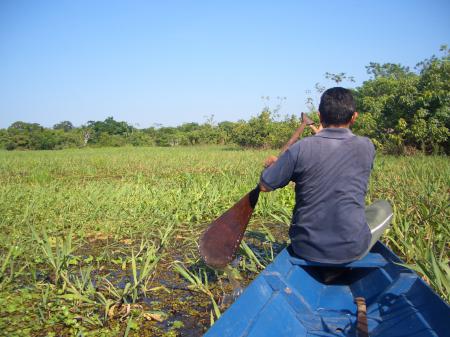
(294, 297)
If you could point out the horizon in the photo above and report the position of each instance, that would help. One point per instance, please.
(151, 63)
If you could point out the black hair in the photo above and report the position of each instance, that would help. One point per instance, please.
(336, 106)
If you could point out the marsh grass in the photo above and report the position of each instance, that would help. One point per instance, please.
(142, 264)
(198, 281)
(70, 220)
(9, 267)
(57, 253)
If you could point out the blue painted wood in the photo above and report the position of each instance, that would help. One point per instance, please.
(294, 297)
(371, 260)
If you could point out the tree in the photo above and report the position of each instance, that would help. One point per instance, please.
(338, 78)
(407, 109)
(257, 132)
(110, 126)
(64, 125)
(20, 126)
(167, 136)
(394, 70)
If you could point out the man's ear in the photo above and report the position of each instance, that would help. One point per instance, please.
(320, 117)
(355, 115)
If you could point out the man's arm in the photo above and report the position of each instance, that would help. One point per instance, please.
(280, 172)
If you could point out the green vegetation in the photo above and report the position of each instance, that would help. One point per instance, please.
(401, 110)
(103, 242)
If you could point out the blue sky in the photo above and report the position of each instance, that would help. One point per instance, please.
(171, 62)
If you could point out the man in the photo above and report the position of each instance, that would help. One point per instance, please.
(331, 171)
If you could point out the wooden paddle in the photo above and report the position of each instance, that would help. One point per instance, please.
(219, 243)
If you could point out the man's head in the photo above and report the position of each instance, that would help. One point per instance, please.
(337, 108)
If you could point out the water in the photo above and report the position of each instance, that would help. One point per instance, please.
(229, 299)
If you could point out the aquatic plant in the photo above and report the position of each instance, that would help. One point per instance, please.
(77, 226)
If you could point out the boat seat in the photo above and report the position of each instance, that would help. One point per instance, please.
(371, 260)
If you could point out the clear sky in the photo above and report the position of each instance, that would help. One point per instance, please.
(171, 62)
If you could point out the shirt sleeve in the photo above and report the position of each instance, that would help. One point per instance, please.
(279, 173)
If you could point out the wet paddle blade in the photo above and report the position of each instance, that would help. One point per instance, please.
(220, 241)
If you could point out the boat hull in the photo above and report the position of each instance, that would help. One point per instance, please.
(294, 297)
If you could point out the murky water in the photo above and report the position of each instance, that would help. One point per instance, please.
(237, 289)
(186, 311)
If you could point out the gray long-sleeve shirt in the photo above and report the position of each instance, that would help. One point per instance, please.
(331, 172)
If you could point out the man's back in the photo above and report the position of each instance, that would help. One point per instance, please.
(331, 172)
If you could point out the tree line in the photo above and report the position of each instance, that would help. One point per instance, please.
(402, 111)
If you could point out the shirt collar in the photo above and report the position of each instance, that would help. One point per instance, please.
(335, 133)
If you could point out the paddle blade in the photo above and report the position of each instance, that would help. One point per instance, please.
(220, 241)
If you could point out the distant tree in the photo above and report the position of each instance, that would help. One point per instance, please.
(339, 77)
(209, 120)
(20, 126)
(106, 139)
(226, 130)
(110, 126)
(407, 109)
(257, 132)
(394, 70)
(313, 96)
(151, 131)
(140, 138)
(22, 135)
(167, 136)
(44, 140)
(64, 125)
(189, 127)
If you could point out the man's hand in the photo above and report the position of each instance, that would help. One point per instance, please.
(270, 160)
(263, 188)
(316, 130)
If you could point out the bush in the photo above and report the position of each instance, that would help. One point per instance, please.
(10, 146)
